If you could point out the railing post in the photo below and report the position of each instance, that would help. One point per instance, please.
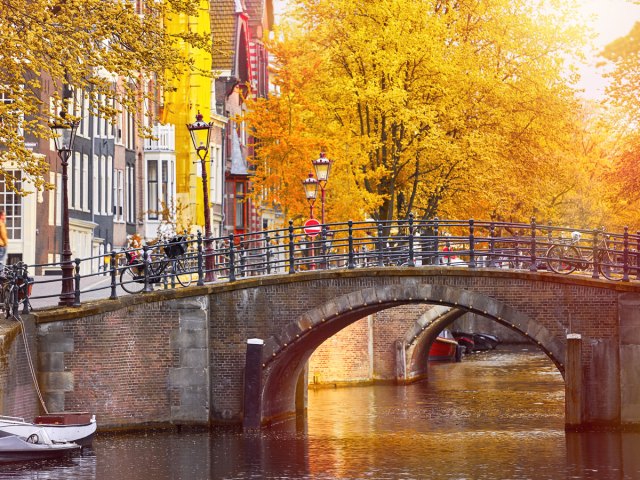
(76, 289)
(472, 245)
(232, 258)
(625, 256)
(199, 259)
(351, 262)
(267, 246)
(492, 245)
(292, 250)
(380, 245)
(114, 276)
(324, 249)
(243, 259)
(596, 255)
(411, 262)
(534, 261)
(436, 240)
(146, 262)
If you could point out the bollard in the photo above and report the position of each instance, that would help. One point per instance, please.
(573, 381)
(252, 408)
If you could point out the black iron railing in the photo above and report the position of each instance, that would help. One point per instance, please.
(400, 243)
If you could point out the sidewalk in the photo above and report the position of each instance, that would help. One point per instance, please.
(46, 290)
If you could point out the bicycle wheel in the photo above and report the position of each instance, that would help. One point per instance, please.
(610, 266)
(131, 279)
(183, 273)
(562, 258)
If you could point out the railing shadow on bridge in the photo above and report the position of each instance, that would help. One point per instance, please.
(190, 259)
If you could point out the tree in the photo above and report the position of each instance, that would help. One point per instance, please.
(429, 103)
(92, 47)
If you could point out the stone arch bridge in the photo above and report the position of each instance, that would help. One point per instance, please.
(236, 352)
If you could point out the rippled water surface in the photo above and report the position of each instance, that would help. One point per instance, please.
(496, 415)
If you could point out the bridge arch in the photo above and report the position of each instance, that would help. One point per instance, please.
(285, 355)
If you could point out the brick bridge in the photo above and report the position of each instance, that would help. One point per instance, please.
(236, 352)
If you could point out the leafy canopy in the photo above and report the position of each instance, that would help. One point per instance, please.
(104, 50)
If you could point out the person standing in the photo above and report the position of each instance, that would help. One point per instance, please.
(4, 240)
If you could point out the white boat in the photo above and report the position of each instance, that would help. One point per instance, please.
(37, 446)
(76, 427)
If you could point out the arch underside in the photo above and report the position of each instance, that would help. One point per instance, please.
(285, 355)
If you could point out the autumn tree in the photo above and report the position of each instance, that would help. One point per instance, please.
(430, 107)
(105, 50)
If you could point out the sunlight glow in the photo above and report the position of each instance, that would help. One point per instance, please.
(610, 19)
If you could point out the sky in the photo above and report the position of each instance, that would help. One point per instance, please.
(612, 19)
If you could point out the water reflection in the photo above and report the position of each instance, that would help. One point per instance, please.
(495, 415)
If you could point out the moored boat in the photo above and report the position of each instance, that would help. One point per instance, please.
(76, 427)
(444, 347)
(37, 446)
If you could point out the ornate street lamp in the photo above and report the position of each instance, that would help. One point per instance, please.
(201, 137)
(310, 185)
(64, 134)
(322, 166)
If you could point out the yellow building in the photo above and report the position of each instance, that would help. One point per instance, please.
(192, 95)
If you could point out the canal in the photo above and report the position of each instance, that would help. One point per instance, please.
(495, 415)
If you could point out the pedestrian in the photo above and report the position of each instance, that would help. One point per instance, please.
(4, 240)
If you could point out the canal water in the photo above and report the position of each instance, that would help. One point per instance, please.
(495, 415)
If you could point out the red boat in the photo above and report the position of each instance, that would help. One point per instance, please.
(444, 347)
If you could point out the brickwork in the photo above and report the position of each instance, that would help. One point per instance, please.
(119, 365)
(17, 392)
(345, 357)
(124, 362)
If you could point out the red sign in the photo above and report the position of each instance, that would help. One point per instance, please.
(312, 227)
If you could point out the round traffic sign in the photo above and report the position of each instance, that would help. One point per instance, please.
(312, 227)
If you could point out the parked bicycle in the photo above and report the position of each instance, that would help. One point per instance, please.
(173, 263)
(567, 257)
(15, 288)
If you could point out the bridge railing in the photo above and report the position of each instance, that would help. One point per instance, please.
(406, 243)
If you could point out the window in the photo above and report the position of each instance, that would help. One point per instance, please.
(5, 99)
(77, 184)
(131, 207)
(11, 203)
(152, 189)
(239, 206)
(85, 182)
(95, 205)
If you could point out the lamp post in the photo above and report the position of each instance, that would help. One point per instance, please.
(322, 166)
(201, 136)
(64, 134)
(310, 186)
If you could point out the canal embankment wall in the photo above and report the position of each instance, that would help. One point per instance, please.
(17, 393)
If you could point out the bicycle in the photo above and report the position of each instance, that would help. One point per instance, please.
(565, 258)
(15, 289)
(173, 263)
